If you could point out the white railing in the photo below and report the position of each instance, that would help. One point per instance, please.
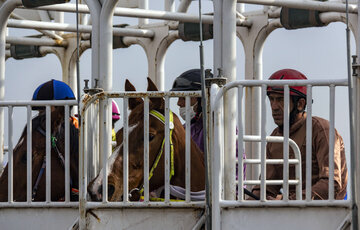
(10, 105)
(218, 148)
(84, 167)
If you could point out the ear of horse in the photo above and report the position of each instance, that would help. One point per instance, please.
(133, 102)
(156, 102)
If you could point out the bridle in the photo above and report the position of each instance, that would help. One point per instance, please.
(74, 191)
(160, 117)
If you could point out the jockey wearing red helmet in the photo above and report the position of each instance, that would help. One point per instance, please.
(297, 95)
(298, 132)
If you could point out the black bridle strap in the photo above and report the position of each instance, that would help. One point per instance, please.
(74, 191)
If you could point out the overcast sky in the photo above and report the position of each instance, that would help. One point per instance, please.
(320, 53)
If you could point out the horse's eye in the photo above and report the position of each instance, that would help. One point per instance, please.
(151, 136)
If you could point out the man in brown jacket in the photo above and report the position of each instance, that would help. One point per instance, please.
(297, 132)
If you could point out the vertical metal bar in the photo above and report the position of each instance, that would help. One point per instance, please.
(216, 162)
(146, 149)
(125, 150)
(10, 156)
(29, 155)
(309, 143)
(48, 153)
(187, 151)
(167, 151)
(263, 144)
(106, 144)
(331, 142)
(67, 154)
(286, 144)
(82, 185)
(240, 145)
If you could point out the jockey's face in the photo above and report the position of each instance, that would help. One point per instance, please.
(181, 101)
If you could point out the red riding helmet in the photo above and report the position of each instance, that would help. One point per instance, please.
(288, 74)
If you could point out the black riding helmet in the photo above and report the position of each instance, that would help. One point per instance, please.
(187, 81)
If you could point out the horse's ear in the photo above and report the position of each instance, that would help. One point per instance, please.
(133, 102)
(156, 102)
(151, 85)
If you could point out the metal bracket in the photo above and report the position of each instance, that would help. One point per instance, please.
(220, 80)
(94, 90)
(355, 66)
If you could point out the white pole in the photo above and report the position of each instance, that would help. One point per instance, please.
(229, 70)
(106, 48)
(143, 4)
(5, 11)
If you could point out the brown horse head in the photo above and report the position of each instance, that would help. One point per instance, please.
(38, 155)
(136, 153)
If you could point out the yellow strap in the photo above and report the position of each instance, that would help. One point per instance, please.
(161, 199)
(171, 125)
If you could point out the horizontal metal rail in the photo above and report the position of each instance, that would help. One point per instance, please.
(28, 24)
(180, 204)
(307, 5)
(291, 203)
(141, 13)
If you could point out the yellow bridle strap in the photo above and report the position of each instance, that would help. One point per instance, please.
(160, 199)
(161, 117)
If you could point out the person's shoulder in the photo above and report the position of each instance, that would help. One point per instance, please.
(319, 121)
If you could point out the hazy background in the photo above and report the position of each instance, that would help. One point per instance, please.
(320, 53)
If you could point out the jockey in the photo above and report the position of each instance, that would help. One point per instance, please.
(54, 90)
(115, 118)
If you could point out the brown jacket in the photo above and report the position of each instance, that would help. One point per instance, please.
(320, 160)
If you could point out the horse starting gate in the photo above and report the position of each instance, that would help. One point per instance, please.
(236, 107)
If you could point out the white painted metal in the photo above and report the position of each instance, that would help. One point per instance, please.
(286, 143)
(150, 14)
(34, 41)
(308, 143)
(72, 28)
(48, 154)
(10, 156)
(167, 150)
(331, 142)
(143, 4)
(308, 5)
(240, 144)
(29, 155)
(146, 149)
(67, 155)
(187, 150)
(263, 145)
(126, 151)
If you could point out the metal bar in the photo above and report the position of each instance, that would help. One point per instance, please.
(146, 149)
(309, 143)
(271, 182)
(29, 24)
(331, 142)
(67, 154)
(10, 156)
(240, 145)
(125, 151)
(95, 205)
(307, 5)
(16, 205)
(187, 151)
(35, 41)
(143, 4)
(280, 203)
(142, 13)
(48, 153)
(167, 151)
(38, 103)
(286, 126)
(270, 161)
(263, 144)
(29, 155)
(216, 161)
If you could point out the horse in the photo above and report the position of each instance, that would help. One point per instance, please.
(38, 160)
(136, 153)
